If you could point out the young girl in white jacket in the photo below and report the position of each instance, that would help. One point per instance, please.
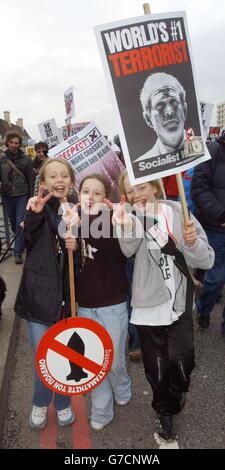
(162, 294)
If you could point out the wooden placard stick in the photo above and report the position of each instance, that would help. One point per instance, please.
(147, 11)
(71, 279)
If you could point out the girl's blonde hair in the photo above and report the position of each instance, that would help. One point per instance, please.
(102, 180)
(59, 160)
(160, 193)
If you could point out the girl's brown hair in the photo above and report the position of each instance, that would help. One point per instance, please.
(102, 180)
(157, 183)
(59, 160)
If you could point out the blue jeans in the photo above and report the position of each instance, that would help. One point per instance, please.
(215, 277)
(115, 320)
(15, 209)
(42, 395)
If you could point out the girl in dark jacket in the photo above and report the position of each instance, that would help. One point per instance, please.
(102, 293)
(40, 295)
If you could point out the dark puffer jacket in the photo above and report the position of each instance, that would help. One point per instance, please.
(45, 282)
(208, 188)
(12, 183)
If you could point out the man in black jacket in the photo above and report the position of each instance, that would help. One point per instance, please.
(208, 195)
(16, 180)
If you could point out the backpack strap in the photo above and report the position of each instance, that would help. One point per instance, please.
(179, 261)
(14, 167)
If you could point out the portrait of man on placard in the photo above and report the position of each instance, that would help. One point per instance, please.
(164, 106)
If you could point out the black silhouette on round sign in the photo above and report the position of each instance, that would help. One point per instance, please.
(72, 363)
(77, 344)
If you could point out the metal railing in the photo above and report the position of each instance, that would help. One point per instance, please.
(5, 230)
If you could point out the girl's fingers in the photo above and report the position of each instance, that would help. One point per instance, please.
(69, 208)
(69, 240)
(65, 207)
(116, 206)
(114, 221)
(31, 201)
(191, 233)
(190, 227)
(40, 191)
(69, 236)
(74, 220)
(28, 206)
(108, 203)
(46, 198)
(191, 222)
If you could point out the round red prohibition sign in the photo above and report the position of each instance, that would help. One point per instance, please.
(190, 134)
(74, 356)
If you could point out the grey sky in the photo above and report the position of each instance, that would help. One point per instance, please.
(48, 46)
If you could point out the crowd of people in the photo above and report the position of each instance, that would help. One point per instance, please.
(137, 282)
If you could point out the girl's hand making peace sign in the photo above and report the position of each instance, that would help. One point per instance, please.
(120, 214)
(70, 213)
(37, 203)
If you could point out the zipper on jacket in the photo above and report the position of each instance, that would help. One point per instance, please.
(181, 368)
(159, 368)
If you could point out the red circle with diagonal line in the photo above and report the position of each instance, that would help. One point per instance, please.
(74, 356)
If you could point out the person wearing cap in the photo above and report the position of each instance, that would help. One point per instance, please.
(164, 106)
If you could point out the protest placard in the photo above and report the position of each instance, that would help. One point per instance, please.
(214, 133)
(75, 128)
(89, 152)
(69, 103)
(49, 132)
(147, 62)
(206, 115)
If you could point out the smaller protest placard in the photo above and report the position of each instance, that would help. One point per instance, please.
(69, 103)
(75, 128)
(214, 133)
(89, 152)
(206, 115)
(50, 133)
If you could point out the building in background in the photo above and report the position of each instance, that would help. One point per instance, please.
(6, 125)
(220, 114)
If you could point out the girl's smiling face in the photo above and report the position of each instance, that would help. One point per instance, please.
(92, 195)
(141, 194)
(56, 179)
